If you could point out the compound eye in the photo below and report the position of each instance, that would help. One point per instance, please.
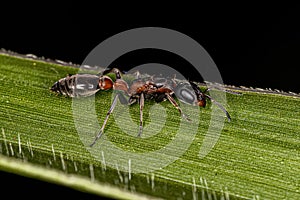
(185, 94)
(105, 83)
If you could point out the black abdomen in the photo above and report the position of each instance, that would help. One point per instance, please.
(77, 85)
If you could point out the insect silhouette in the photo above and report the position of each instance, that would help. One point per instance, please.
(141, 89)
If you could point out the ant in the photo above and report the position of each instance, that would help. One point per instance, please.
(153, 88)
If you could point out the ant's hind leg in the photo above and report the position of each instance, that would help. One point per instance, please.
(122, 98)
(113, 105)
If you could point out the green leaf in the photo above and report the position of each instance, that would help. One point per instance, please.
(255, 157)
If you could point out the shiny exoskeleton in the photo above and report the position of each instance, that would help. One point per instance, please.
(77, 85)
(141, 89)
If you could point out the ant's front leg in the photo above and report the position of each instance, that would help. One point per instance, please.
(174, 103)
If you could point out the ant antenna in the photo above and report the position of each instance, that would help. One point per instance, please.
(220, 106)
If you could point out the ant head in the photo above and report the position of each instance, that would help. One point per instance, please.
(201, 97)
(105, 83)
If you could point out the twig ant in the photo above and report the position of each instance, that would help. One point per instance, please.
(155, 88)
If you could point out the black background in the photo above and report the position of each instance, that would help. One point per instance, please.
(252, 45)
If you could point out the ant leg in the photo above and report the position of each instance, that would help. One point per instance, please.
(141, 113)
(220, 106)
(131, 101)
(123, 100)
(113, 105)
(174, 103)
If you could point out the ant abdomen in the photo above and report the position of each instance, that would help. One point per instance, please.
(77, 85)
